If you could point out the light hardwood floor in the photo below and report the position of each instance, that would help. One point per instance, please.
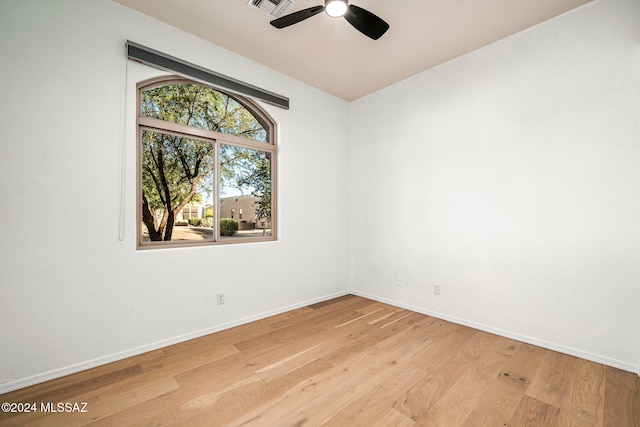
(345, 362)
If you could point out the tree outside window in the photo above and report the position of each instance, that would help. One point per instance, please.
(203, 155)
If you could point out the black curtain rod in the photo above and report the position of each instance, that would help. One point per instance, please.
(169, 63)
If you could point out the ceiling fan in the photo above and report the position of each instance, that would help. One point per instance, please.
(364, 21)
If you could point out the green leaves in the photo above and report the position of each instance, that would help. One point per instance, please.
(201, 107)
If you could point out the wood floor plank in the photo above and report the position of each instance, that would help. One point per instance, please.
(457, 403)
(621, 395)
(226, 410)
(378, 382)
(380, 369)
(358, 316)
(290, 363)
(177, 363)
(552, 379)
(390, 418)
(371, 337)
(333, 386)
(374, 306)
(234, 368)
(412, 343)
(309, 325)
(175, 406)
(376, 404)
(525, 363)
(417, 400)
(346, 362)
(100, 403)
(340, 308)
(200, 404)
(622, 379)
(583, 404)
(497, 406)
(535, 413)
(321, 345)
(506, 345)
(441, 349)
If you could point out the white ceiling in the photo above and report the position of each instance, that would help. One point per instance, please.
(331, 55)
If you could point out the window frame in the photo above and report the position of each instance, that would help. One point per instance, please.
(144, 123)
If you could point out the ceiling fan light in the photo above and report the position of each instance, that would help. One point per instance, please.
(335, 8)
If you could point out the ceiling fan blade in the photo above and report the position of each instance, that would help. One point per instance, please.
(295, 17)
(366, 22)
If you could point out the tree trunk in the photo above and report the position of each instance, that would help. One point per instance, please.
(168, 231)
(147, 219)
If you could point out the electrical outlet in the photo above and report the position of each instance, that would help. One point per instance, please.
(436, 288)
(399, 282)
(220, 299)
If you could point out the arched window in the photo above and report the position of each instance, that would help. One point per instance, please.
(203, 155)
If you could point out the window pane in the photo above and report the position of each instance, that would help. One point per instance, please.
(245, 192)
(201, 107)
(177, 188)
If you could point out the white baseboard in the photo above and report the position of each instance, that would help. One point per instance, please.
(83, 366)
(508, 334)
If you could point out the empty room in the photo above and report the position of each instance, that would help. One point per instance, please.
(245, 212)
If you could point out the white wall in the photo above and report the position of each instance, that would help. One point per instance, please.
(72, 294)
(511, 177)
